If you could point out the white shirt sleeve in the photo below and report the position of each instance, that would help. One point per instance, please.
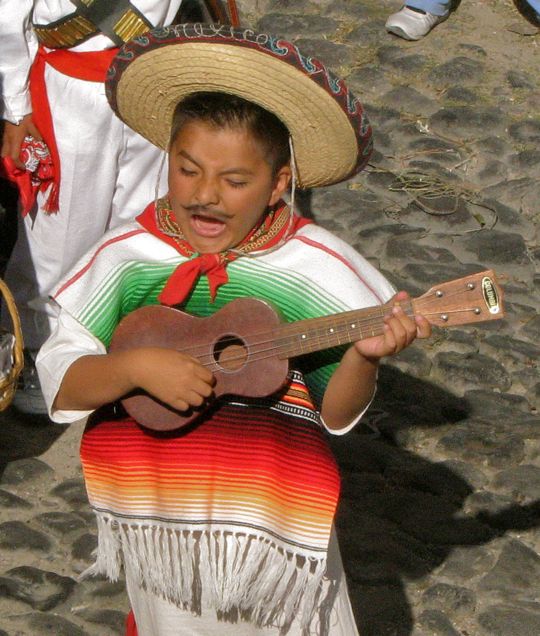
(69, 342)
(18, 46)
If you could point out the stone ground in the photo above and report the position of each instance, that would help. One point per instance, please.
(440, 511)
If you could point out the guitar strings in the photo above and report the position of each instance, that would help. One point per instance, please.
(324, 338)
(258, 351)
(254, 354)
(288, 340)
(428, 299)
(291, 333)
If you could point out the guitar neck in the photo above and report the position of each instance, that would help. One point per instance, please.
(316, 334)
(475, 298)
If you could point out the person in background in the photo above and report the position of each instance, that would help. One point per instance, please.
(416, 19)
(95, 172)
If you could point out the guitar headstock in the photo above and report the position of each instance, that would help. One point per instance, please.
(474, 298)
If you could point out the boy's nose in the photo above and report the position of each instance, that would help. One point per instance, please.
(207, 192)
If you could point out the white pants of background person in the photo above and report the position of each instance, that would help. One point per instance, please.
(441, 7)
(418, 17)
(109, 175)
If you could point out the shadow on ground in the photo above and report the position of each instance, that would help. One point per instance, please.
(401, 515)
(23, 436)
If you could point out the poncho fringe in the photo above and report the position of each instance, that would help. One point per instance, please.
(176, 564)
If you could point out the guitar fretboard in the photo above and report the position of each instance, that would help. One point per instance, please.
(316, 334)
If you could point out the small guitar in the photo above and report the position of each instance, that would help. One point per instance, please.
(247, 346)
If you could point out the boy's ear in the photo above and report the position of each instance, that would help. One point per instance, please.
(281, 183)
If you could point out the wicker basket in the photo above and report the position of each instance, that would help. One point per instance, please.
(8, 384)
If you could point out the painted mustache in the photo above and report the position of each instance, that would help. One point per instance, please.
(200, 210)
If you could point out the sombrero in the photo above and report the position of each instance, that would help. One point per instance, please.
(153, 72)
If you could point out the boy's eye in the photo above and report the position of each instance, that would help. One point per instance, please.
(187, 172)
(236, 184)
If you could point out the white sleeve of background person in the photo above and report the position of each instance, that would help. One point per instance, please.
(18, 46)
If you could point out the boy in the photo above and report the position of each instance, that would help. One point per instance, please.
(223, 526)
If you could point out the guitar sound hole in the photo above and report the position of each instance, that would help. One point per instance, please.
(230, 353)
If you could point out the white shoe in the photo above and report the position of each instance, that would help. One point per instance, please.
(413, 24)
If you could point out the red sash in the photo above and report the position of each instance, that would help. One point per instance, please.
(90, 66)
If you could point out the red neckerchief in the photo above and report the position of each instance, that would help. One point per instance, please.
(159, 220)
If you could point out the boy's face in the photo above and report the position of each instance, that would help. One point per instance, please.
(220, 185)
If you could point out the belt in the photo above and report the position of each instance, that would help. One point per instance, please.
(75, 28)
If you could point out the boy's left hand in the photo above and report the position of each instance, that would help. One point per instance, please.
(400, 330)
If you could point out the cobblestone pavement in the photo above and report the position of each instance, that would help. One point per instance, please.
(440, 512)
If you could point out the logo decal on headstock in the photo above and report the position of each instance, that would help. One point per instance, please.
(490, 295)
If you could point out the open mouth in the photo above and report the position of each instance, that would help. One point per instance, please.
(207, 226)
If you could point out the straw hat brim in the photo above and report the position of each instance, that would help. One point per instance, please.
(151, 84)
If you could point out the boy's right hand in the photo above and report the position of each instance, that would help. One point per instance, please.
(171, 376)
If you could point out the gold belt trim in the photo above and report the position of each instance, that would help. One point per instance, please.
(75, 29)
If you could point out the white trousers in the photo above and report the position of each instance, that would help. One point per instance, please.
(108, 175)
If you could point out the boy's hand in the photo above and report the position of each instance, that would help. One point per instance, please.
(172, 377)
(400, 330)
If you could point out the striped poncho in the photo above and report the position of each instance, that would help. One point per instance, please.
(235, 512)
